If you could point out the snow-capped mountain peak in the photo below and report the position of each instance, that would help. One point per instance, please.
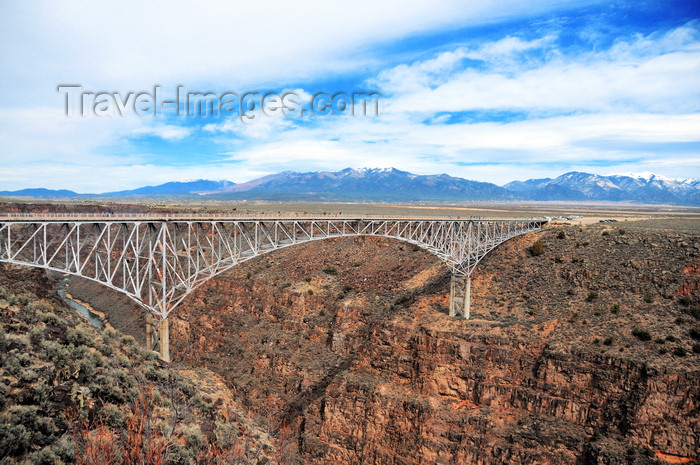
(648, 176)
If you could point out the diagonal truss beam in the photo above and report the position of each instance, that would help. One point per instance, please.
(158, 261)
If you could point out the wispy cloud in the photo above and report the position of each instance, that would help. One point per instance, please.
(491, 90)
(644, 74)
(164, 131)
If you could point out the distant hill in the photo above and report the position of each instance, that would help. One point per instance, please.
(198, 187)
(390, 184)
(643, 188)
(40, 193)
(387, 184)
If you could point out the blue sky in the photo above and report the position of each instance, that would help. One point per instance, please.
(488, 90)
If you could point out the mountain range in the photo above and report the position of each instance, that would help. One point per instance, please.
(390, 184)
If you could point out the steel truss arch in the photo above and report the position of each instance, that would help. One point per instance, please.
(157, 262)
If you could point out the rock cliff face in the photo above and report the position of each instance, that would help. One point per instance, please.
(581, 355)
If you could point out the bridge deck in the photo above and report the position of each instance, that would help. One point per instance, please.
(31, 217)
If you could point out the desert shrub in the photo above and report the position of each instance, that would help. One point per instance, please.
(26, 416)
(671, 338)
(641, 334)
(194, 439)
(695, 333)
(310, 291)
(202, 405)
(684, 300)
(106, 389)
(118, 376)
(621, 232)
(680, 352)
(23, 299)
(112, 416)
(150, 355)
(357, 263)
(51, 319)
(106, 350)
(696, 348)
(537, 248)
(36, 336)
(78, 352)
(693, 311)
(28, 376)
(615, 309)
(109, 334)
(186, 387)
(44, 456)
(65, 450)
(154, 373)
(18, 342)
(40, 306)
(608, 341)
(561, 235)
(606, 233)
(180, 455)
(56, 353)
(648, 297)
(3, 341)
(42, 393)
(12, 366)
(14, 440)
(40, 429)
(81, 336)
(347, 288)
(663, 351)
(127, 341)
(592, 295)
(330, 269)
(87, 368)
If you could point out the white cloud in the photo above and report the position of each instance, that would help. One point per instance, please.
(628, 77)
(641, 90)
(137, 44)
(164, 131)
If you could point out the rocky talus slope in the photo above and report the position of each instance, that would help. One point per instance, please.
(584, 354)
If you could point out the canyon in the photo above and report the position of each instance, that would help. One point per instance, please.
(583, 354)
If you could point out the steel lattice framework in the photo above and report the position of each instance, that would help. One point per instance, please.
(158, 261)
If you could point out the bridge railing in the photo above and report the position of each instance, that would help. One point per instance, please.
(53, 216)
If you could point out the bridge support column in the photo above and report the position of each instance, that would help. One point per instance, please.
(460, 296)
(158, 336)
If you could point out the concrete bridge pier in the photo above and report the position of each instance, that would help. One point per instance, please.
(460, 296)
(158, 336)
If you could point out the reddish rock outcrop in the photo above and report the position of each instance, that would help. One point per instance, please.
(363, 363)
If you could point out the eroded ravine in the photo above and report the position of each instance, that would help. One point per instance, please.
(364, 365)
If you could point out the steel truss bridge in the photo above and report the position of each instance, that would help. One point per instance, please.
(157, 260)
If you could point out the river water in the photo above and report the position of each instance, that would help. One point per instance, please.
(92, 318)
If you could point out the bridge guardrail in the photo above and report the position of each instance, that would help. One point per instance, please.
(238, 216)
